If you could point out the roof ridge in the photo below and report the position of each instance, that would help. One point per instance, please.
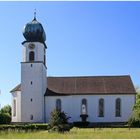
(88, 76)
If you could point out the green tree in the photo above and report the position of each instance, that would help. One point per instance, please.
(135, 118)
(5, 115)
(59, 121)
(5, 118)
(6, 109)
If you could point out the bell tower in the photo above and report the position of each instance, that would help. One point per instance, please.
(33, 72)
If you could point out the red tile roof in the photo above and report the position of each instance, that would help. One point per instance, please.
(91, 85)
(88, 85)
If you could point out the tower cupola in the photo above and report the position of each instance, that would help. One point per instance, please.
(34, 32)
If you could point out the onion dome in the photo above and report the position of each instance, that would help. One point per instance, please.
(34, 32)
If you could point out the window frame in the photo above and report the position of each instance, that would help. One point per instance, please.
(31, 117)
(101, 106)
(14, 108)
(118, 107)
(31, 56)
(58, 104)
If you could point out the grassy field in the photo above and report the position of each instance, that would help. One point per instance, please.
(75, 133)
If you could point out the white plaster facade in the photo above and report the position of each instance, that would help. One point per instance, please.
(17, 97)
(72, 106)
(30, 100)
(34, 91)
(39, 51)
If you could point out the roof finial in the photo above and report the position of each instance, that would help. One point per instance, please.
(34, 14)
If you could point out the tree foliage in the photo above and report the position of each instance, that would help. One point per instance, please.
(5, 118)
(5, 115)
(6, 109)
(135, 118)
(59, 121)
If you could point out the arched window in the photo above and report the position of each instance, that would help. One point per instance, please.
(14, 107)
(44, 60)
(44, 56)
(84, 106)
(58, 104)
(31, 56)
(118, 107)
(31, 117)
(101, 107)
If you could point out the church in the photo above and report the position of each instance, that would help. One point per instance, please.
(96, 99)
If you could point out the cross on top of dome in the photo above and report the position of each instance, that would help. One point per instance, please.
(34, 14)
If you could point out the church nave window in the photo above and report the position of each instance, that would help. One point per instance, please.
(84, 106)
(31, 117)
(118, 107)
(31, 56)
(101, 107)
(14, 107)
(58, 104)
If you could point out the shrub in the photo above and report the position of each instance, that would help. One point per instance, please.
(135, 118)
(59, 121)
(133, 121)
(5, 118)
(41, 126)
(61, 128)
(24, 127)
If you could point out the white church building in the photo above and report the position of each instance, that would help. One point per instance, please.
(97, 99)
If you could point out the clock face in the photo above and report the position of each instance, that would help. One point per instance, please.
(31, 46)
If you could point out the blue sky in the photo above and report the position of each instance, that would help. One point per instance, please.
(83, 39)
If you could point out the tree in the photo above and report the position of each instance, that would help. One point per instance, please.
(5, 118)
(6, 109)
(5, 115)
(135, 118)
(59, 121)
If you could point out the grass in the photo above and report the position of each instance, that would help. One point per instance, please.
(75, 133)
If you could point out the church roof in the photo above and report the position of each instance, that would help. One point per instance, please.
(90, 85)
(17, 88)
(87, 85)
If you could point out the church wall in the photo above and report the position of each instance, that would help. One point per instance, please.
(17, 97)
(34, 92)
(39, 52)
(44, 86)
(72, 106)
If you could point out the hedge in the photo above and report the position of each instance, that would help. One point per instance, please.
(25, 127)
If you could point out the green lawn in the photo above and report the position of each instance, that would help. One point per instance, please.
(75, 133)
